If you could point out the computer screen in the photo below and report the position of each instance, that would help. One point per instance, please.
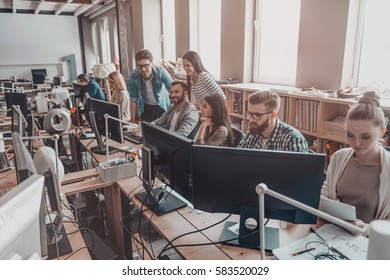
(24, 163)
(38, 76)
(18, 121)
(171, 156)
(17, 98)
(56, 81)
(225, 179)
(22, 235)
(115, 129)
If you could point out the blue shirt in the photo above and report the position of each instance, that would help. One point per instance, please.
(161, 84)
(95, 91)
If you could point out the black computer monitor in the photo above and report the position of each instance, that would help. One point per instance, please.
(224, 180)
(56, 81)
(38, 76)
(24, 163)
(171, 163)
(18, 122)
(17, 98)
(115, 129)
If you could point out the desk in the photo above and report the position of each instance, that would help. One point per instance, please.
(120, 193)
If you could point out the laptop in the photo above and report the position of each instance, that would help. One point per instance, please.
(338, 209)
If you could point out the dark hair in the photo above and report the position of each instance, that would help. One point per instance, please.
(183, 85)
(83, 78)
(143, 54)
(270, 99)
(194, 59)
(220, 115)
(368, 108)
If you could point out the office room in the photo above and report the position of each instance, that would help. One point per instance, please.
(317, 57)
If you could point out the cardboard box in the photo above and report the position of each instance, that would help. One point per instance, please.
(116, 169)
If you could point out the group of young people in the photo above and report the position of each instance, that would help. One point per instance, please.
(358, 175)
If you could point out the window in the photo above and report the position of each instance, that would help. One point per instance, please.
(276, 41)
(374, 55)
(105, 41)
(168, 27)
(95, 42)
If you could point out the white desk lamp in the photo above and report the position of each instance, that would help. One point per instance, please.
(131, 126)
(262, 189)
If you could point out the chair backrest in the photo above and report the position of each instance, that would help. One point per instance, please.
(238, 135)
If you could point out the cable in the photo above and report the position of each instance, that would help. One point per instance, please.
(321, 255)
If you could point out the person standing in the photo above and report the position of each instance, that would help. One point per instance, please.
(120, 94)
(200, 82)
(149, 87)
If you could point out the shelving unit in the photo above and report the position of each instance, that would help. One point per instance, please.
(311, 115)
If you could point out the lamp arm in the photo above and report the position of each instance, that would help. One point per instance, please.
(106, 117)
(262, 189)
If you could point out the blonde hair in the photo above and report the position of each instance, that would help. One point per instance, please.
(118, 80)
(270, 99)
(368, 108)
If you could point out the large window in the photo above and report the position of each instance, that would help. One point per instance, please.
(105, 41)
(374, 56)
(168, 26)
(95, 42)
(276, 41)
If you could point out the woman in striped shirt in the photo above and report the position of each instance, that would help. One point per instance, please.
(200, 82)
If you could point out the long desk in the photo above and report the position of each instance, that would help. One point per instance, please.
(121, 193)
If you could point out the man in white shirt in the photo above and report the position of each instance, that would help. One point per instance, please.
(181, 116)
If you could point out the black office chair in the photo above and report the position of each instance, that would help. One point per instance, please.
(238, 135)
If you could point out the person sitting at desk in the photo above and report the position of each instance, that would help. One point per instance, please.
(92, 87)
(120, 94)
(215, 129)
(181, 116)
(359, 175)
(266, 131)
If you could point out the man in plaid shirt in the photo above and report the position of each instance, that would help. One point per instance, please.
(266, 131)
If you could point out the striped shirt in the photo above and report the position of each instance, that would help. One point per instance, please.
(205, 86)
(284, 138)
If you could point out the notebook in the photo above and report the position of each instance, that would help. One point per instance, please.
(338, 209)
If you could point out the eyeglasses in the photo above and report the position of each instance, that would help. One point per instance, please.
(146, 66)
(255, 116)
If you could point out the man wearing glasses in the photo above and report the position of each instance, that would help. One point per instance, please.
(149, 87)
(266, 131)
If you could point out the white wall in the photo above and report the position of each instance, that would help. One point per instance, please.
(37, 41)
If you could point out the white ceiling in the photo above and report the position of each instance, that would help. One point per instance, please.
(52, 7)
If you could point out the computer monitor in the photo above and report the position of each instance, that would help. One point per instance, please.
(98, 109)
(24, 163)
(18, 122)
(38, 76)
(17, 98)
(56, 81)
(22, 235)
(170, 162)
(224, 180)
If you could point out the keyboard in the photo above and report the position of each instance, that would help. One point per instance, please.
(133, 138)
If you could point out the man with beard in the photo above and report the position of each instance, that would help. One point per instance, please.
(181, 116)
(266, 131)
(148, 86)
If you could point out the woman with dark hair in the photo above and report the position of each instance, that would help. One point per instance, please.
(199, 81)
(359, 175)
(215, 129)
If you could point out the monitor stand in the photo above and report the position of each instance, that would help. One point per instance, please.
(102, 150)
(57, 239)
(248, 236)
(160, 201)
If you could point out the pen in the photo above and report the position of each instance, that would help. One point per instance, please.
(339, 253)
(303, 251)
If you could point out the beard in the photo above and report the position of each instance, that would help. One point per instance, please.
(256, 129)
(177, 100)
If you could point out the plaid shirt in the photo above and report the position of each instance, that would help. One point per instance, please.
(284, 138)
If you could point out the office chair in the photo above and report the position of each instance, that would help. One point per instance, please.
(238, 135)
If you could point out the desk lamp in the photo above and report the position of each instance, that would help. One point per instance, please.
(379, 241)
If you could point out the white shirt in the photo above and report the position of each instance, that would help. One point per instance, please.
(174, 121)
(150, 99)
